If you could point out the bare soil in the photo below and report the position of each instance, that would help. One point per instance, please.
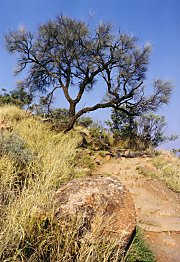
(157, 206)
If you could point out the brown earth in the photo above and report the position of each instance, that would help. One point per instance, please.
(157, 207)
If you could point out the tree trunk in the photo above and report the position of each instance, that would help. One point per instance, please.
(72, 109)
(70, 124)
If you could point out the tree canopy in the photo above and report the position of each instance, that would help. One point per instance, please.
(66, 53)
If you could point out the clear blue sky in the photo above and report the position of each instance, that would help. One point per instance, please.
(155, 21)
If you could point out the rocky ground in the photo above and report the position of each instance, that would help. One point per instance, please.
(157, 207)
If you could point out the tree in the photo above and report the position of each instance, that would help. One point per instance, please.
(122, 126)
(65, 54)
(148, 129)
(151, 130)
(18, 97)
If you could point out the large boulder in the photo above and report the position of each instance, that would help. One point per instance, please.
(103, 202)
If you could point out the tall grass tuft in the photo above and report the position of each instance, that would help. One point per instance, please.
(51, 164)
(168, 170)
(10, 113)
(166, 167)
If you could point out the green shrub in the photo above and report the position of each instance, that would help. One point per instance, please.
(86, 161)
(15, 160)
(12, 145)
(85, 121)
(101, 138)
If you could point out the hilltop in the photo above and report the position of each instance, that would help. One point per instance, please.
(36, 159)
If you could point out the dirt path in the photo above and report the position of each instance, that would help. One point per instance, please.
(157, 207)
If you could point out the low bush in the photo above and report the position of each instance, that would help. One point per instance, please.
(85, 121)
(100, 138)
(15, 161)
(12, 145)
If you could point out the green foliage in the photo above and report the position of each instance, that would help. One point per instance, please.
(42, 107)
(123, 126)
(85, 121)
(139, 250)
(12, 145)
(100, 136)
(60, 114)
(86, 161)
(151, 130)
(145, 130)
(14, 152)
(59, 118)
(18, 97)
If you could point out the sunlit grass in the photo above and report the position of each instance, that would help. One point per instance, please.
(9, 113)
(166, 167)
(51, 165)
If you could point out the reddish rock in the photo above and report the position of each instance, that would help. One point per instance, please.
(102, 200)
(107, 157)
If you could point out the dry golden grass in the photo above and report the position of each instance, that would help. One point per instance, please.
(168, 167)
(9, 113)
(52, 164)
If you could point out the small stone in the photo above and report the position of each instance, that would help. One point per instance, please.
(97, 161)
(169, 241)
(108, 157)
